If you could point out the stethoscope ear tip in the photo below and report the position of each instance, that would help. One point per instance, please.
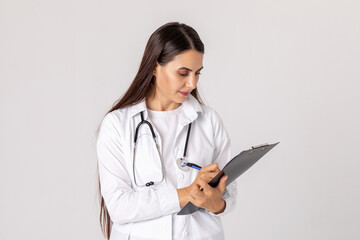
(149, 184)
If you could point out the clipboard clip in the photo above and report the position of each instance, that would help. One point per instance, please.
(259, 146)
(263, 146)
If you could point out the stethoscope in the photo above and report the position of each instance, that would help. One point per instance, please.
(180, 162)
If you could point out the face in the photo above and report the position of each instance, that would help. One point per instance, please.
(175, 80)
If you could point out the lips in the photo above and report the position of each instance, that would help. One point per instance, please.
(184, 93)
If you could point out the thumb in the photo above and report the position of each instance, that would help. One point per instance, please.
(222, 183)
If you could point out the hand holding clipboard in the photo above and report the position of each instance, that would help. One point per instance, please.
(234, 168)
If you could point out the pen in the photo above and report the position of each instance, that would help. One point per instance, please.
(193, 165)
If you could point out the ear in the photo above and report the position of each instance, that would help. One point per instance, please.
(156, 66)
(154, 71)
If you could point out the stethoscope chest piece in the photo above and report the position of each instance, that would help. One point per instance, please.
(180, 163)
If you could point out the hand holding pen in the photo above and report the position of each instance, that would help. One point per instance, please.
(201, 194)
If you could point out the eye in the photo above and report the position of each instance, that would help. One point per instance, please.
(185, 74)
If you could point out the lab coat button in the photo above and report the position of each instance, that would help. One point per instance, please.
(181, 176)
(176, 149)
(185, 233)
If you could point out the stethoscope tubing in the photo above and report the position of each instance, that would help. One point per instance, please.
(138, 126)
(183, 159)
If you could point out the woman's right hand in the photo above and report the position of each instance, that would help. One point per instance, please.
(203, 178)
(205, 175)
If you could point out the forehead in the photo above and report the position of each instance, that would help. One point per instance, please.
(191, 59)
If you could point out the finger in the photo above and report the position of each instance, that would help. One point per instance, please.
(194, 201)
(207, 176)
(196, 191)
(199, 194)
(195, 186)
(191, 198)
(211, 167)
(222, 183)
(202, 185)
(206, 188)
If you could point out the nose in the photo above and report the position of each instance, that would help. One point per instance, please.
(192, 82)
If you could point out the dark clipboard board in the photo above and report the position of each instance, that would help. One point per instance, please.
(234, 168)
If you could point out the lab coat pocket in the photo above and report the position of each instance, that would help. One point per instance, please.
(156, 228)
(120, 231)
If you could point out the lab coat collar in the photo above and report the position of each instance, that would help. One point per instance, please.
(191, 110)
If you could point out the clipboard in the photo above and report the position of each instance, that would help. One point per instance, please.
(234, 168)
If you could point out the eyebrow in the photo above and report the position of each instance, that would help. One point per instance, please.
(190, 69)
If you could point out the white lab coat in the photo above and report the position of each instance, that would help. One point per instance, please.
(146, 212)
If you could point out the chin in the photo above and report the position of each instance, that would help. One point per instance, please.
(180, 100)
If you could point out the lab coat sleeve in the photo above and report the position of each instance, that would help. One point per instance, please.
(123, 203)
(222, 155)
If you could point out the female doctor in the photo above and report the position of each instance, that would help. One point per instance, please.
(148, 141)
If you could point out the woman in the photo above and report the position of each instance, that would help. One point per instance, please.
(144, 182)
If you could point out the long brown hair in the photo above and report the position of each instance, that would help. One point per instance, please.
(163, 45)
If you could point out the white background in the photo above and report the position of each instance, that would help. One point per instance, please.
(283, 71)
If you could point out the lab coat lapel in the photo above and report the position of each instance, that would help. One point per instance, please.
(191, 110)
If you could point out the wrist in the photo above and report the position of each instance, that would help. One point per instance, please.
(222, 209)
(183, 195)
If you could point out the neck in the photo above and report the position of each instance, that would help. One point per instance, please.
(159, 103)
